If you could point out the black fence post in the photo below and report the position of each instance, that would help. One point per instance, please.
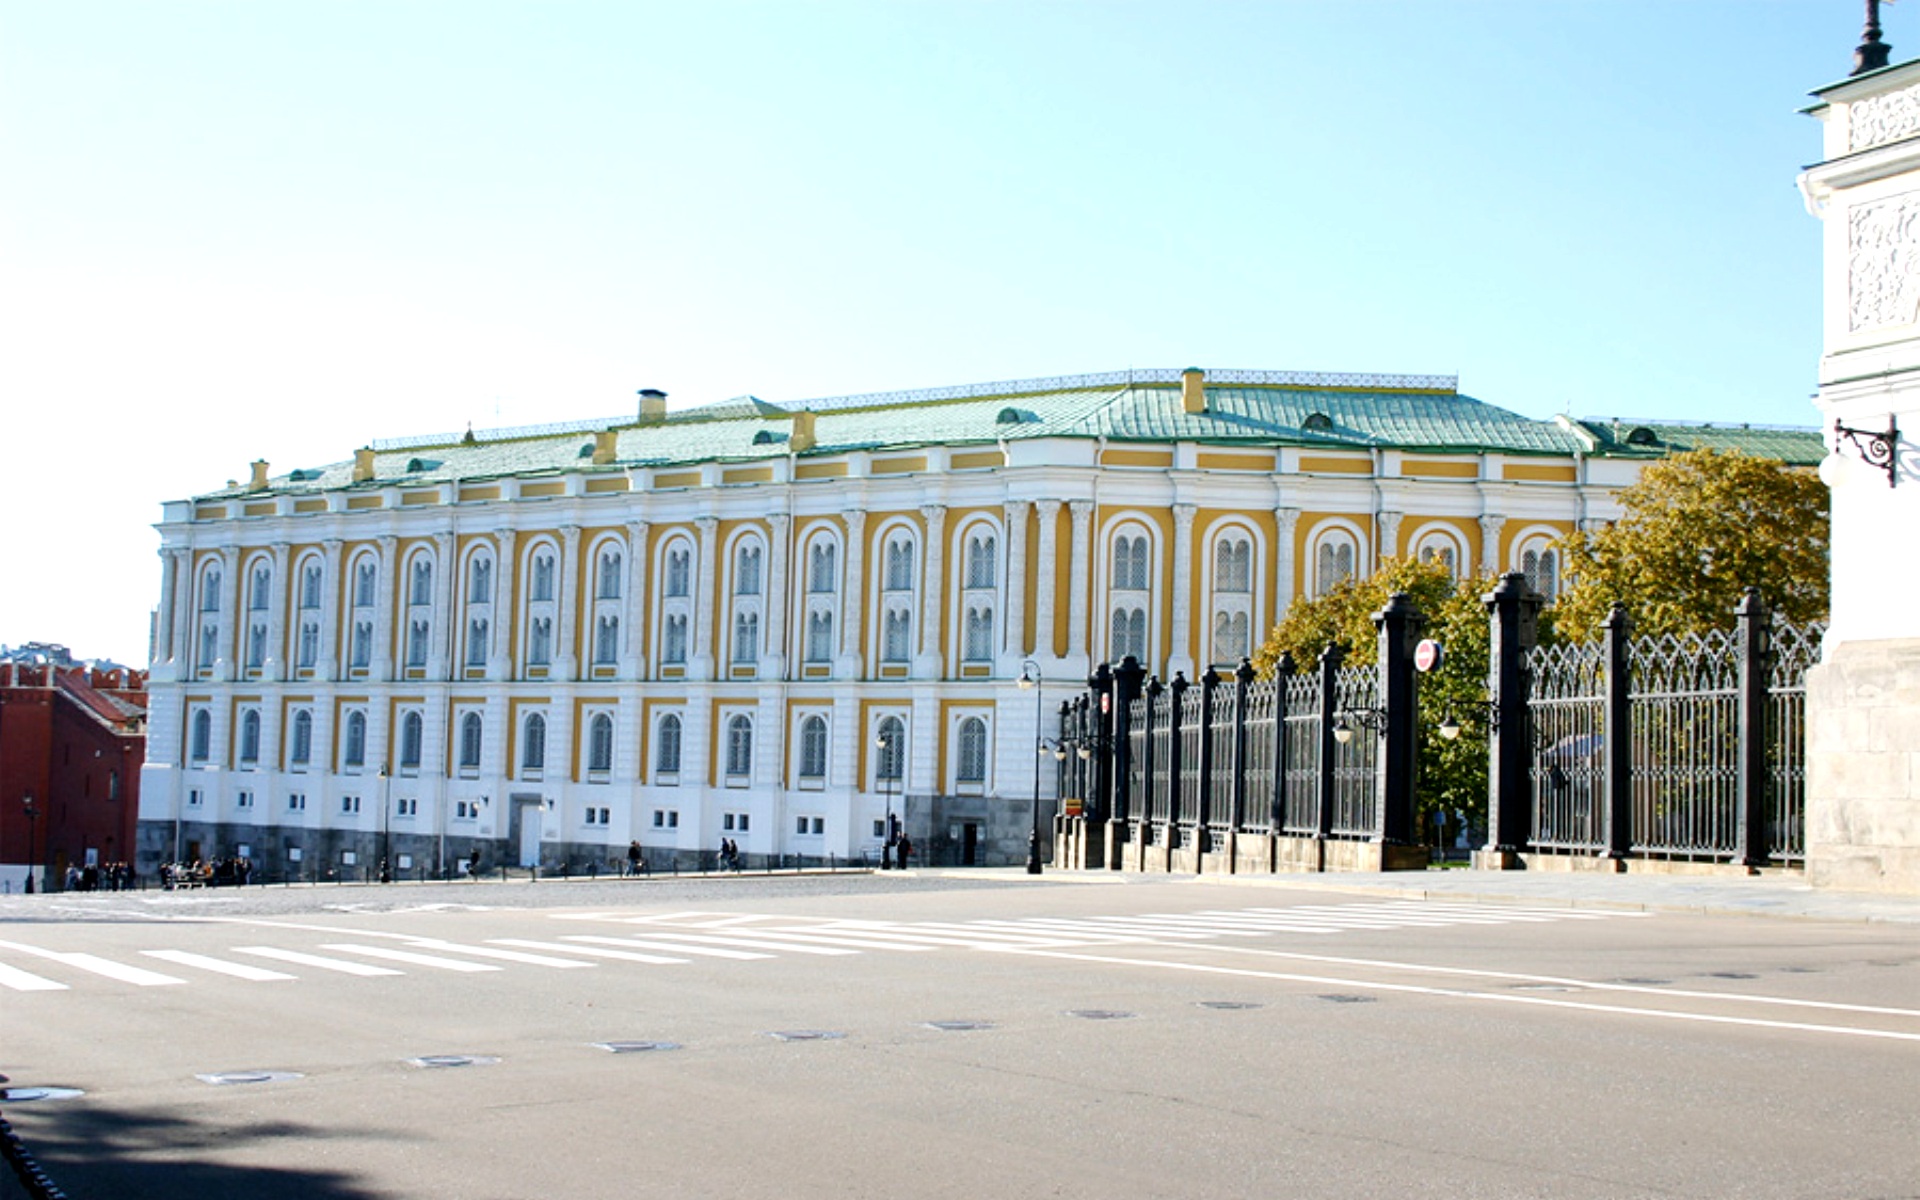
(1175, 753)
(1149, 762)
(1127, 679)
(1618, 732)
(1237, 813)
(1100, 711)
(1283, 673)
(1399, 625)
(1203, 818)
(1330, 660)
(1513, 608)
(1756, 663)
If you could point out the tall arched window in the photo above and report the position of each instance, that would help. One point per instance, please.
(301, 752)
(259, 592)
(609, 562)
(813, 748)
(666, 757)
(891, 757)
(607, 574)
(1437, 544)
(1129, 593)
(739, 745)
(410, 740)
(353, 746)
(533, 743)
(250, 736)
(1232, 624)
(470, 729)
(419, 609)
(971, 766)
(200, 743)
(1538, 558)
(600, 743)
(1336, 557)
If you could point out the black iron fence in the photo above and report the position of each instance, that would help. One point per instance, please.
(1664, 748)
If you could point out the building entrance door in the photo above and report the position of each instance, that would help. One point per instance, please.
(531, 812)
(969, 844)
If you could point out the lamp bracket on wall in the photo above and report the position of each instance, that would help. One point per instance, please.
(1875, 447)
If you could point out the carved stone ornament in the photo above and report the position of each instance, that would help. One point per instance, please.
(1883, 262)
(1883, 119)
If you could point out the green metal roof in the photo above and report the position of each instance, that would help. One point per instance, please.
(1359, 412)
(1799, 446)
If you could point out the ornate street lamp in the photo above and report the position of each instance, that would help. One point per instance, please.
(32, 856)
(386, 824)
(1030, 678)
(886, 767)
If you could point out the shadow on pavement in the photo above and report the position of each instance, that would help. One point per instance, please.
(105, 1153)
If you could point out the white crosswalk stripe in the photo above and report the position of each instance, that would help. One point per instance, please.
(341, 965)
(217, 965)
(671, 947)
(595, 951)
(407, 956)
(138, 976)
(25, 981)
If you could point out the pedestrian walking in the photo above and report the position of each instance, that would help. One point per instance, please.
(634, 860)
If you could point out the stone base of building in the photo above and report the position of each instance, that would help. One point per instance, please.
(1863, 767)
(1159, 850)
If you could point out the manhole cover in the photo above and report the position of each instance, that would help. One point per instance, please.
(1646, 982)
(223, 1078)
(1731, 975)
(28, 1094)
(959, 1026)
(636, 1047)
(452, 1060)
(1343, 998)
(805, 1035)
(1098, 1014)
(1228, 1005)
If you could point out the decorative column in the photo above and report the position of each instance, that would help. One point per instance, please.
(1047, 513)
(1286, 581)
(565, 660)
(505, 604)
(1388, 522)
(440, 644)
(164, 639)
(328, 665)
(386, 594)
(1490, 527)
(847, 666)
(1180, 656)
(931, 662)
(634, 611)
(705, 613)
(279, 597)
(1013, 642)
(1079, 589)
(779, 553)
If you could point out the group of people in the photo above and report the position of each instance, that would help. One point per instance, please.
(729, 854)
(114, 877)
(221, 872)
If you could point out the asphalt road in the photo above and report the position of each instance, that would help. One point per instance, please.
(977, 1037)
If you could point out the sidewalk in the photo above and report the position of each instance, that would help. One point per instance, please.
(1773, 895)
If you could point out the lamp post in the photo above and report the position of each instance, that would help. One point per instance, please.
(32, 815)
(1030, 678)
(386, 824)
(885, 744)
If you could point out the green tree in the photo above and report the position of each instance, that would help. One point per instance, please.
(1452, 773)
(1697, 529)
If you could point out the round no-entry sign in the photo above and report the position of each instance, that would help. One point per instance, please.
(1426, 656)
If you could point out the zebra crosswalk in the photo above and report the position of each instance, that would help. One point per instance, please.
(627, 939)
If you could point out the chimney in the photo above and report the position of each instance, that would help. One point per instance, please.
(604, 444)
(259, 483)
(363, 464)
(653, 406)
(802, 438)
(1193, 390)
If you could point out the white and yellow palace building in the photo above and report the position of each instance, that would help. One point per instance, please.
(779, 624)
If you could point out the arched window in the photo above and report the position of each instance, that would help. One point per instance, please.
(1130, 593)
(480, 581)
(1233, 572)
(201, 741)
(813, 748)
(541, 586)
(899, 577)
(739, 745)
(972, 764)
(1540, 563)
(470, 729)
(746, 571)
(600, 743)
(746, 639)
(679, 571)
(210, 591)
(261, 589)
(410, 739)
(673, 643)
(1233, 564)
(820, 636)
(477, 630)
(302, 750)
(606, 639)
(310, 586)
(981, 562)
(1336, 556)
(250, 736)
(1132, 563)
(353, 748)
(978, 645)
(420, 586)
(892, 749)
(607, 583)
(540, 641)
(666, 759)
(822, 575)
(418, 633)
(533, 743)
(1230, 637)
(898, 636)
(1437, 544)
(366, 576)
(1129, 634)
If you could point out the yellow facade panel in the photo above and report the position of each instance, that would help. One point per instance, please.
(1136, 458)
(597, 487)
(480, 493)
(677, 479)
(309, 506)
(973, 460)
(899, 466)
(747, 475)
(1539, 472)
(1434, 468)
(1327, 464)
(531, 491)
(365, 502)
(1235, 462)
(820, 470)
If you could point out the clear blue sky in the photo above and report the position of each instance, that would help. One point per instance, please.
(265, 229)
